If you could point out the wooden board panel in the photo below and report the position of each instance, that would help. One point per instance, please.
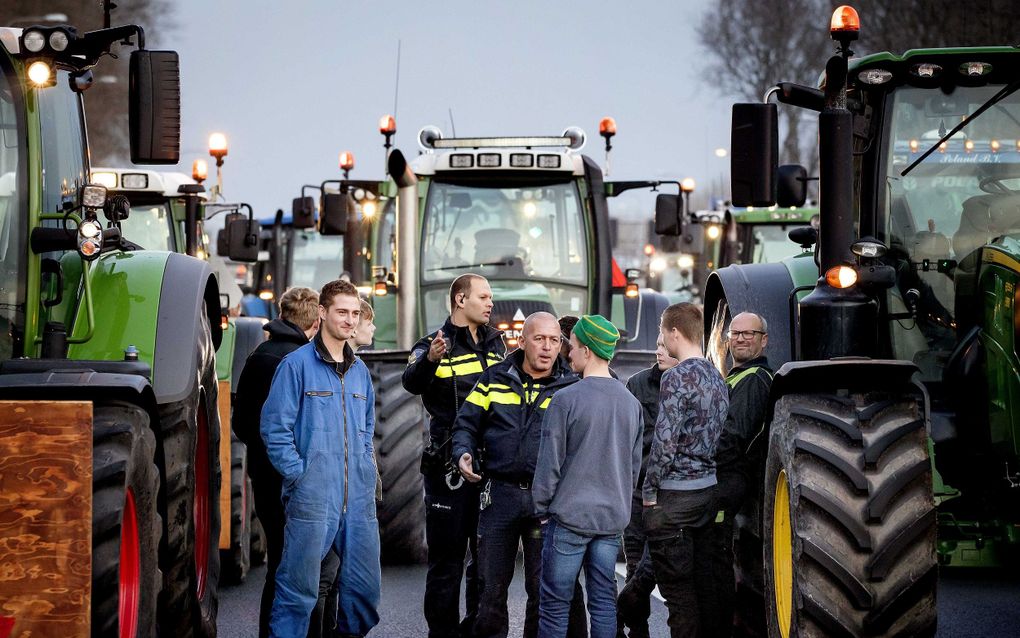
(46, 517)
(224, 409)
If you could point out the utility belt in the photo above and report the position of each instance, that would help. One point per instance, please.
(437, 459)
(521, 484)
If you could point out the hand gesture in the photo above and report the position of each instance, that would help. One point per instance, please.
(466, 470)
(438, 348)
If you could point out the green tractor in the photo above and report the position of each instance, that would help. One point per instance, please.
(528, 213)
(109, 447)
(761, 235)
(893, 439)
(160, 220)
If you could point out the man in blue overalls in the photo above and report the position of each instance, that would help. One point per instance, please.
(317, 425)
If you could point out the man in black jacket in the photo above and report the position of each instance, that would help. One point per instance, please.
(634, 603)
(297, 324)
(740, 455)
(500, 423)
(442, 368)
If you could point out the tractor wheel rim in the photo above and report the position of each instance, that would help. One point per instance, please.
(201, 503)
(129, 581)
(782, 554)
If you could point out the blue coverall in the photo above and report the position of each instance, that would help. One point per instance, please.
(317, 424)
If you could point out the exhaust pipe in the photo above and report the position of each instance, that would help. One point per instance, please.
(407, 249)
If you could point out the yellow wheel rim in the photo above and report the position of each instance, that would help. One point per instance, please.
(782, 554)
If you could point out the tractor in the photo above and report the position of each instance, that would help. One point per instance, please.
(160, 220)
(528, 213)
(109, 443)
(892, 437)
(761, 235)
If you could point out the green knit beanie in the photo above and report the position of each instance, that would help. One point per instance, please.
(598, 333)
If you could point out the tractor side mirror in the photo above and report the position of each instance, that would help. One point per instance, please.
(791, 186)
(754, 154)
(336, 209)
(667, 215)
(222, 244)
(692, 239)
(154, 111)
(805, 236)
(243, 239)
(303, 212)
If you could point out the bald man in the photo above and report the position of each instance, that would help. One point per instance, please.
(501, 422)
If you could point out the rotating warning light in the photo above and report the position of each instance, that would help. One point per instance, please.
(218, 145)
(387, 125)
(607, 127)
(346, 161)
(845, 22)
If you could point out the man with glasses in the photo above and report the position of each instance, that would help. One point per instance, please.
(740, 456)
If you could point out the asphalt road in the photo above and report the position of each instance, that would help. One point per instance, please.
(971, 605)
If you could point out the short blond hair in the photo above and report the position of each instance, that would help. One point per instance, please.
(300, 306)
(367, 312)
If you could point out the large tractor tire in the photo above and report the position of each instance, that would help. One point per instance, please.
(189, 555)
(849, 518)
(236, 561)
(399, 426)
(126, 525)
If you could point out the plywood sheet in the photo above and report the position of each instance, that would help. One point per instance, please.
(45, 518)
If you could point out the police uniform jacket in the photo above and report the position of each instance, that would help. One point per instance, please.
(444, 385)
(502, 418)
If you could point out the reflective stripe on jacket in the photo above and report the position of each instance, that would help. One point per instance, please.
(502, 417)
(445, 385)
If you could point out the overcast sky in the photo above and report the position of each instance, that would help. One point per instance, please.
(294, 83)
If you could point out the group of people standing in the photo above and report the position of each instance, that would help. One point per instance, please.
(542, 448)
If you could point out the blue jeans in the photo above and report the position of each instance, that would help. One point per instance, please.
(564, 553)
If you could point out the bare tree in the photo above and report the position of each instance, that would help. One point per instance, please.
(753, 44)
(106, 101)
(914, 24)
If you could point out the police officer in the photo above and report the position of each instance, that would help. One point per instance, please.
(442, 368)
(500, 424)
(740, 455)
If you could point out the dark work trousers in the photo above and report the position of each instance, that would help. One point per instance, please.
(634, 604)
(679, 543)
(323, 623)
(266, 488)
(730, 493)
(451, 523)
(504, 526)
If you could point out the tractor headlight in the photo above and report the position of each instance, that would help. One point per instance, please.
(90, 239)
(93, 196)
(59, 40)
(40, 74)
(33, 41)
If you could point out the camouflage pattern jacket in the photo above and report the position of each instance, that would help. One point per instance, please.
(693, 402)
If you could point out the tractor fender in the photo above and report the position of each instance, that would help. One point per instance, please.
(850, 374)
(189, 293)
(154, 301)
(763, 289)
(45, 379)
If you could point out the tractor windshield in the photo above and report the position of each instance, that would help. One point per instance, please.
(961, 197)
(318, 259)
(12, 198)
(150, 226)
(528, 240)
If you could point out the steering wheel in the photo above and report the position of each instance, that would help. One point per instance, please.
(995, 186)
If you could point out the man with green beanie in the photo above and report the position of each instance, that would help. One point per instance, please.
(588, 464)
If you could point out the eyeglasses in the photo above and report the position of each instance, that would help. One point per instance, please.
(743, 334)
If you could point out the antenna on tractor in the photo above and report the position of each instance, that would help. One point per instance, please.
(108, 8)
(453, 127)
